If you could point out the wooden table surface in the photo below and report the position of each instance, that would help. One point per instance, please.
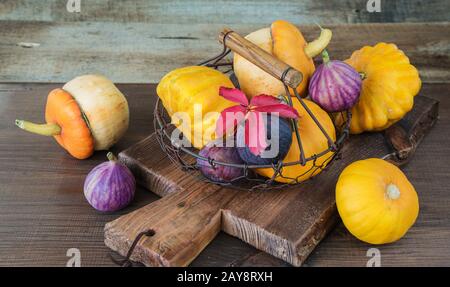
(43, 212)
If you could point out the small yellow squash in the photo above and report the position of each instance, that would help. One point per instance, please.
(190, 95)
(313, 142)
(376, 201)
(389, 85)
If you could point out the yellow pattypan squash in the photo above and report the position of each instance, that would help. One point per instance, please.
(376, 201)
(313, 142)
(389, 85)
(190, 95)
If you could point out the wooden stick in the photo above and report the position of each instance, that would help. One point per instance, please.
(260, 58)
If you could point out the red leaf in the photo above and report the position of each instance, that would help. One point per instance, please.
(234, 95)
(228, 119)
(264, 100)
(283, 110)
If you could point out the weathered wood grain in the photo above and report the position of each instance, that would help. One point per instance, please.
(144, 52)
(43, 211)
(226, 11)
(286, 223)
(184, 223)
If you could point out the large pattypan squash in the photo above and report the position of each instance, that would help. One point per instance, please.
(376, 201)
(190, 95)
(313, 142)
(389, 85)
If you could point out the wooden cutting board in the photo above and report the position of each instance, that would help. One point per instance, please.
(285, 223)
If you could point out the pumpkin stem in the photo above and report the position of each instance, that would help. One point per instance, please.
(111, 156)
(392, 191)
(40, 129)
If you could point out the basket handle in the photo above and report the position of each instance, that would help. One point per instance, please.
(278, 69)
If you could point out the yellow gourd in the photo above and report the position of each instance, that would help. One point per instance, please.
(313, 142)
(286, 42)
(389, 85)
(376, 201)
(194, 92)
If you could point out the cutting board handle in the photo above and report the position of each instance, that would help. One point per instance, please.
(181, 225)
(278, 69)
(405, 136)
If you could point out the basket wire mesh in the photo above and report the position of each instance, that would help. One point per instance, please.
(186, 157)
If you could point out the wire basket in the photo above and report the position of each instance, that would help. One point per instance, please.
(186, 157)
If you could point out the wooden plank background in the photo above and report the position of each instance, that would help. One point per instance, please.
(139, 41)
(226, 11)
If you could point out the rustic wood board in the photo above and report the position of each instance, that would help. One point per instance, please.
(141, 52)
(287, 224)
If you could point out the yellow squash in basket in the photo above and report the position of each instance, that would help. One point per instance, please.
(191, 97)
(313, 142)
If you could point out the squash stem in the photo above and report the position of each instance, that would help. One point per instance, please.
(325, 56)
(111, 156)
(315, 47)
(40, 129)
